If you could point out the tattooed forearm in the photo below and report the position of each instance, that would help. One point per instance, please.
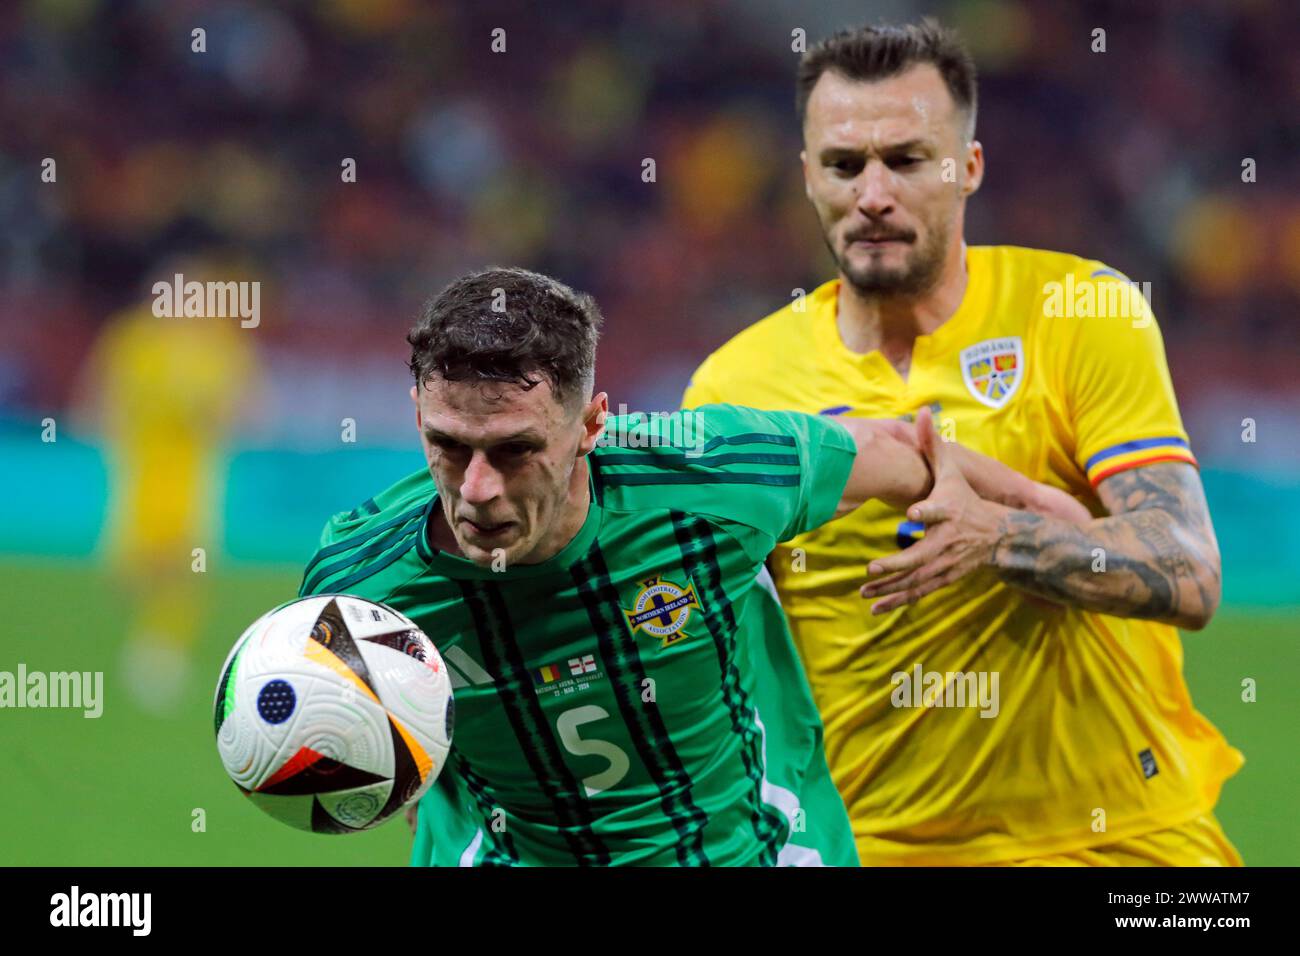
(1154, 556)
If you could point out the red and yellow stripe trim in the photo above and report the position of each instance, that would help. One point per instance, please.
(1136, 453)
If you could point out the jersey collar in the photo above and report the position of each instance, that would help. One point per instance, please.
(970, 310)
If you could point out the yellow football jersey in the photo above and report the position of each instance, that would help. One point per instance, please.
(978, 725)
(169, 390)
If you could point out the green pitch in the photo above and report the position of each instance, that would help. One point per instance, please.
(122, 789)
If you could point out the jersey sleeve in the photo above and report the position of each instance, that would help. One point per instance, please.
(1116, 379)
(329, 536)
(356, 546)
(777, 474)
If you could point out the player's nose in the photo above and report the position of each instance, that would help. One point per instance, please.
(875, 193)
(482, 482)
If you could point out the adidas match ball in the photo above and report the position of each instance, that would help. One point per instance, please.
(333, 713)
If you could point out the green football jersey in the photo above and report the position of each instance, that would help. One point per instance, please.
(637, 698)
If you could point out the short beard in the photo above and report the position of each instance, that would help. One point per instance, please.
(919, 275)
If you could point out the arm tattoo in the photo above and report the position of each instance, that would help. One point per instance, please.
(1154, 557)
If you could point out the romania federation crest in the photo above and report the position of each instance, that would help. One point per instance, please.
(662, 609)
(993, 369)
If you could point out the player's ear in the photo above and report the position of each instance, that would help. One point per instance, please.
(974, 167)
(593, 422)
(415, 398)
(803, 161)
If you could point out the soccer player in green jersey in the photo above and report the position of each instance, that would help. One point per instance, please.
(626, 690)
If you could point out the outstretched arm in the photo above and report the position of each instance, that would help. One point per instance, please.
(1154, 556)
(891, 467)
(885, 468)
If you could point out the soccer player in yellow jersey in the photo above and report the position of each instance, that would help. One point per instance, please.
(165, 392)
(1010, 688)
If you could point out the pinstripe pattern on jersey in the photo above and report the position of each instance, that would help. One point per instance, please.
(514, 686)
(645, 724)
(502, 851)
(700, 559)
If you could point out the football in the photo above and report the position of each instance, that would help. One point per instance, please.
(333, 713)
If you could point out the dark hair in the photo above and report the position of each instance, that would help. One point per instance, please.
(508, 325)
(875, 53)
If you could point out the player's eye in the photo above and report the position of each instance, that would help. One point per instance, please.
(902, 162)
(449, 445)
(847, 166)
(516, 449)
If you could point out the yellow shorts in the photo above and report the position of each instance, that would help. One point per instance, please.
(1198, 842)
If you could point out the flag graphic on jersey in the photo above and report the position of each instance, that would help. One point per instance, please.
(574, 675)
(582, 665)
(544, 675)
(617, 718)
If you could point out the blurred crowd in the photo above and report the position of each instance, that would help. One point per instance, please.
(536, 155)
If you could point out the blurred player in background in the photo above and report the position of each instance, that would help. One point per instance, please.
(1092, 754)
(166, 392)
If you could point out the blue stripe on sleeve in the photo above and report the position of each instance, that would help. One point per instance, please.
(1136, 445)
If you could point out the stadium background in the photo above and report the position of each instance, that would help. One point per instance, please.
(535, 157)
